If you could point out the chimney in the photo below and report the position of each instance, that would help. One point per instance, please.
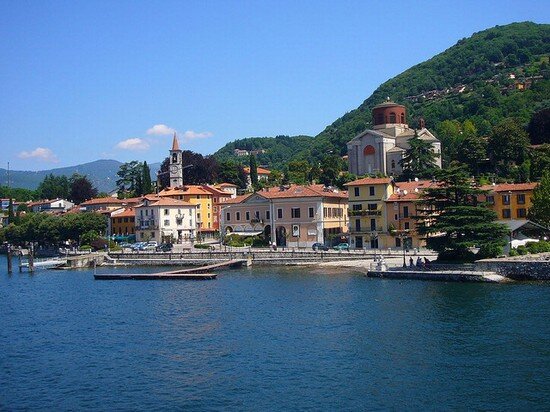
(421, 123)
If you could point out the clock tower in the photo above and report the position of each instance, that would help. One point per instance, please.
(176, 166)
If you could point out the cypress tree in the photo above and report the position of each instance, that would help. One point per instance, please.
(253, 171)
(147, 186)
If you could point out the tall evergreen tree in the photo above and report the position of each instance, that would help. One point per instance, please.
(146, 179)
(507, 146)
(419, 159)
(53, 187)
(453, 220)
(253, 171)
(540, 210)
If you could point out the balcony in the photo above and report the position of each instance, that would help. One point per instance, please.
(146, 225)
(373, 212)
(256, 221)
(365, 230)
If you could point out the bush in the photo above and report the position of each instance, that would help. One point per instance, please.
(522, 250)
(489, 250)
(202, 246)
(538, 247)
(454, 256)
(85, 248)
(99, 244)
(513, 252)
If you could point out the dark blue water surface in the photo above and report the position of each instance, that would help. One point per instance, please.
(271, 339)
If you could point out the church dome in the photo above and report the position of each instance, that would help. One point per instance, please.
(389, 113)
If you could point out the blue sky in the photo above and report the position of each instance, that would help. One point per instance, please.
(86, 80)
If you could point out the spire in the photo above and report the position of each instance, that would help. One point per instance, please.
(175, 143)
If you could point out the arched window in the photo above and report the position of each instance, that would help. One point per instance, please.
(393, 119)
(402, 118)
(380, 118)
(175, 158)
(393, 164)
(368, 150)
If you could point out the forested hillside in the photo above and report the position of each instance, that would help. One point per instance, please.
(471, 87)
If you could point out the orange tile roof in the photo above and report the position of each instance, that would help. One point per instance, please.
(297, 191)
(128, 212)
(235, 200)
(103, 201)
(166, 201)
(260, 170)
(510, 187)
(370, 181)
(185, 190)
(226, 185)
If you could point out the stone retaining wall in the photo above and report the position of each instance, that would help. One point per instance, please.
(518, 270)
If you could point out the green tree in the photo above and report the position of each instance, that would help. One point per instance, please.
(253, 171)
(298, 172)
(539, 127)
(129, 183)
(419, 159)
(453, 220)
(473, 152)
(54, 187)
(147, 185)
(507, 148)
(540, 210)
(81, 189)
(331, 166)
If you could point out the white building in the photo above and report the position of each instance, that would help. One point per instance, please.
(166, 220)
(379, 150)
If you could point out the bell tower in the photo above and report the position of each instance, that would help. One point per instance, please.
(176, 166)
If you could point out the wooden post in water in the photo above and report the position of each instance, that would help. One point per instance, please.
(20, 252)
(10, 256)
(31, 257)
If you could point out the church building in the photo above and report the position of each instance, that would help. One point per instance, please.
(379, 150)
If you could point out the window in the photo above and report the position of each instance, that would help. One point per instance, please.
(405, 211)
(402, 118)
(295, 212)
(357, 225)
(311, 212)
(237, 215)
(521, 212)
(198, 196)
(228, 216)
(490, 199)
(166, 222)
(356, 191)
(397, 242)
(125, 220)
(267, 215)
(379, 118)
(247, 215)
(506, 213)
(371, 190)
(407, 225)
(166, 212)
(208, 215)
(119, 220)
(175, 158)
(279, 213)
(521, 199)
(393, 164)
(392, 117)
(257, 214)
(505, 199)
(373, 225)
(146, 212)
(372, 206)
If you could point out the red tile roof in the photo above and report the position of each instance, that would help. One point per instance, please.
(510, 187)
(260, 170)
(184, 190)
(104, 201)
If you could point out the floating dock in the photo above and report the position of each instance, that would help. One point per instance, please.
(156, 276)
(196, 273)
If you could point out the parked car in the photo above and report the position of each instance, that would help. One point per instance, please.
(164, 247)
(138, 245)
(148, 247)
(152, 243)
(319, 246)
(342, 246)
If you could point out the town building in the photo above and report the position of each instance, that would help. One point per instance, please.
(123, 222)
(165, 220)
(293, 216)
(50, 206)
(380, 149)
(509, 200)
(107, 204)
(263, 175)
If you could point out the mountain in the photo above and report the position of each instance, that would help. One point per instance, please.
(102, 173)
(496, 73)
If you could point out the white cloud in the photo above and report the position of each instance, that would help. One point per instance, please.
(160, 129)
(40, 153)
(191, 135)
(133, 144)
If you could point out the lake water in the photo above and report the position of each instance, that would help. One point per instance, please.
(271, 339)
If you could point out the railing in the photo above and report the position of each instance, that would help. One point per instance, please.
(254, 221)
(373, 212)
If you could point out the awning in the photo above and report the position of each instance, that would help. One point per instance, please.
(245, 233)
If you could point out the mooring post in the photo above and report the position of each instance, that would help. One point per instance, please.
(31, 258)
(19, 253)
(10, 255)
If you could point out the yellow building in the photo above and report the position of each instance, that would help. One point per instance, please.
(196, 195)
(368, 225)
(510, 200)
(123, 222)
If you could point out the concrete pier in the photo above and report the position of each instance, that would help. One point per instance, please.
(444, 275)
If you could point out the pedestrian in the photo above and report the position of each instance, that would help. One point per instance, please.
(419, 262)
(411, 262)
